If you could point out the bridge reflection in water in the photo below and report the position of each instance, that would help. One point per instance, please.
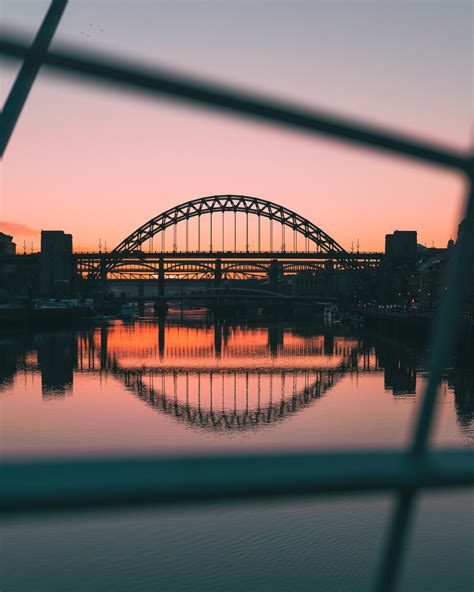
(217, 376)
(226, 399)
(221, 376)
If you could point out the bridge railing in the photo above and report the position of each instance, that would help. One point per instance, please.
(173, 253)
(47, 485)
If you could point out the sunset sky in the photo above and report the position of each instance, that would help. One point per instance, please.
(98, 162)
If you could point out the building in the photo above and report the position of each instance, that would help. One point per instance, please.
(56, 266)
(432, 273)
(468, 301)
(401, 244)
(7, 246)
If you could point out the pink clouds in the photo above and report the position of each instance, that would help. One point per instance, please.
(16, 229)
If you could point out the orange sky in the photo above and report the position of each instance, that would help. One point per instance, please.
(99, 162)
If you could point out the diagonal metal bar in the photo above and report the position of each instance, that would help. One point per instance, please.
(28, 72)
(443, 341)
(167, 83)
(388, 575)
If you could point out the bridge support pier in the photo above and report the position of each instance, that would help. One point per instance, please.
(160, 306)
(161, 277)
(274, 274)
(103, 278)
(218, 273)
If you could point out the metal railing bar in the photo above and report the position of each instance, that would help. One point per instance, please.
(40, 485)
(33, 59)
(48, 486)
(443, 340)
(201, 92)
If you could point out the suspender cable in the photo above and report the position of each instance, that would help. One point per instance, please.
(223, 216)
(210, 235)
(259, 249)
(247, 231)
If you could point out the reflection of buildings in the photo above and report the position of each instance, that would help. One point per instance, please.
(57, 356)
(400, 378)
(11, 353)
(461, 381)
(400, 368)
(400, 374)
(224, 376)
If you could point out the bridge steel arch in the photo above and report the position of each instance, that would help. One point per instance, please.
(231, 203)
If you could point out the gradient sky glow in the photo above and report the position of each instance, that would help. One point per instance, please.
(98, 162)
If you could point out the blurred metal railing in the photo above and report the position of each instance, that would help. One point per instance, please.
(71, 484)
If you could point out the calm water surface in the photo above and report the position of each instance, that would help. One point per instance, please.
(190, 385)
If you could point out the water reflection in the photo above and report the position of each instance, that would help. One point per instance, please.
(57, 358)
(227, 399)
(221, 376)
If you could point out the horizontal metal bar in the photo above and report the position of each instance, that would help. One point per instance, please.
(132, 76)
(70, 484)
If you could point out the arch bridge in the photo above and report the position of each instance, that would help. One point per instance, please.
(223, 237)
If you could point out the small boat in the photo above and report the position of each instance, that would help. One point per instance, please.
(129, 311)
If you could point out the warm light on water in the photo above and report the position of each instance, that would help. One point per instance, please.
(194, 386)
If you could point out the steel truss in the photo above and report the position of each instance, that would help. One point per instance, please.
(230, 203)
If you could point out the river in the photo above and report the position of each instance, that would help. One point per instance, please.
(191, 385)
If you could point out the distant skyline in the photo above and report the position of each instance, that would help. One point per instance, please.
(97, 162)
